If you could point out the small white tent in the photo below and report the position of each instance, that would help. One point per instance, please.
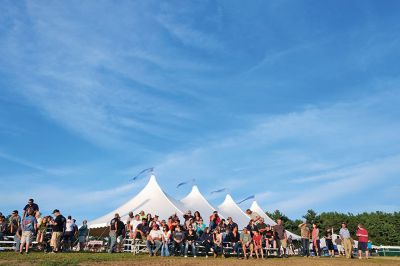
(195, 201)
(152, 199)
(229, 208)
(256, 208)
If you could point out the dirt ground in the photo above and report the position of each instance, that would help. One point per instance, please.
(100, 259)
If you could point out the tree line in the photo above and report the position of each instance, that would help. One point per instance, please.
(383, 228)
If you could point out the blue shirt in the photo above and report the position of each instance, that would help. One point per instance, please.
(28, 224)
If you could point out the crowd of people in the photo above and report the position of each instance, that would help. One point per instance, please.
(175, 237)
(48, 231)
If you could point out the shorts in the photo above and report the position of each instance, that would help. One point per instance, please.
(26, 237)
(281, 243)
(55, 239)
(363, 246)
(82, 239)
(329, 244)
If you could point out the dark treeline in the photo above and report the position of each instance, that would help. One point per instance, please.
(383, 228)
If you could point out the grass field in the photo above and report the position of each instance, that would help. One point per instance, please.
(98, 259)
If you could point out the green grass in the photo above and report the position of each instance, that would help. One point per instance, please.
(35, 258)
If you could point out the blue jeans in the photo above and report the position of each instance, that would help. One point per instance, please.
(179, 245)
(306, 246)
(113, 241)
(236, 248)
(165, 250)
(217, 249)
(153, 248)
(193, 248)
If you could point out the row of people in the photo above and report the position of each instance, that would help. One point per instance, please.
(48, 231)
(171, 236)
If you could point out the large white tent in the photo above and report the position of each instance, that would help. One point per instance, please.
(229, 208)
(152, 199)
(256, 208)
(195, 201)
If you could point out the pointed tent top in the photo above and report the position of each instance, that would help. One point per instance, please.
(195, 189)
(230, 208)
(228, 199)
(254, 205)
(195, 201)
(256, 208)
(149, 199)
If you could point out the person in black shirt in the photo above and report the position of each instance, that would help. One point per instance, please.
(142, 229)
(269, 237)
(113, 233)
(58, 224)
(31, 205)
(251, 227)
(231, 224)
(234, 238)
(206, 240)
(190, 240)
(121, 233)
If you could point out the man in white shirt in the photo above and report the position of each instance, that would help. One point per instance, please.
(154, 240)
(133, 224)
(69, 233)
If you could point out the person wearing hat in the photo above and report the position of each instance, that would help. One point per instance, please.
(305, 238)
(58, 229)
(113, 233)
(346, 240)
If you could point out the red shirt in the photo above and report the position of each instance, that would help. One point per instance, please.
(257, 240)
(364, 232)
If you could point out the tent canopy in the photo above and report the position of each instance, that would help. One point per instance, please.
(195, 201)
(229, 208)
(152, 199)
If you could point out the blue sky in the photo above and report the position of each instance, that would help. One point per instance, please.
(296, 102)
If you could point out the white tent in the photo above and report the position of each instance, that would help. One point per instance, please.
(152, 199)
(256, 208)
(195, 201)
(229, 208)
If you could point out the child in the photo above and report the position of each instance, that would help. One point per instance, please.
(257, 241)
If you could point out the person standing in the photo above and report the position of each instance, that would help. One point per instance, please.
(315, 240)
(113, 233)
(339, 246)
(346, 240)
(68, 234)
(83, 232)
(362, 235)
(305, 238)
(329, 242)
(29, 227)
(280, 237)
(58, 229)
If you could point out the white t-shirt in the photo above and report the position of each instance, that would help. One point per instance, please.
(156, 234)
(166, 235)
(69, 225)
(134, 224)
